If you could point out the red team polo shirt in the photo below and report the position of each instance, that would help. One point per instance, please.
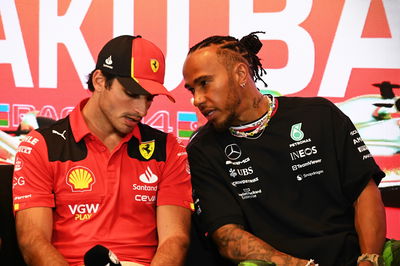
(98, 196)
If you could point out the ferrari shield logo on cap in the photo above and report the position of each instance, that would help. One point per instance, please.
(147, 149)
(155, 65)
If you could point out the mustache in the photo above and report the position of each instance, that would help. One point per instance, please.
(135, 116)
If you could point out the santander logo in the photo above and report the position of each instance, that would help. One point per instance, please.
(148, 176)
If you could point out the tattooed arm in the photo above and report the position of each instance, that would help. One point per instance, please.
(237, 245)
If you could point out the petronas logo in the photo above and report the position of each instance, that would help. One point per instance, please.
(296, 134)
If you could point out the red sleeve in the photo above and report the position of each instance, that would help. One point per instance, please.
(175, 184)
(32, 180)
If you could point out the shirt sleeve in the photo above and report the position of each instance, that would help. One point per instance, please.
(32, 181)
(175, 187)
(215, 204)
(356, 164)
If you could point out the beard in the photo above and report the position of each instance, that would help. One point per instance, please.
(225, 124)
(233, 101)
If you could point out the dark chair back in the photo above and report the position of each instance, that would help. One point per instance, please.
(9, 250)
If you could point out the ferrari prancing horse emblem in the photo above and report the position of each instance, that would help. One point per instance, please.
(147, 149)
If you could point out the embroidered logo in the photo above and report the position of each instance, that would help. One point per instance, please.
(154, 65)
(296, 134)
(18, 164)
(60, 134)
(232, 151)
(80, 179)
(232, 172)
(147, 149)
(148, 176)
(108, 62)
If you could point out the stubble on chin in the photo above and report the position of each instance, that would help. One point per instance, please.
(224, 125)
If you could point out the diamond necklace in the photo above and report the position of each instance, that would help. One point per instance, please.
(256, 128)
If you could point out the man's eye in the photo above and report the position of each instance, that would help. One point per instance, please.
(203, 83)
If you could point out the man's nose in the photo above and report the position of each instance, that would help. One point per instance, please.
(198, 98)
(141, 106)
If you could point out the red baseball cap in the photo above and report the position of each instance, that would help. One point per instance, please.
(138, 64)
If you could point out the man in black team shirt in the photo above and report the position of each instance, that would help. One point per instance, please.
(280, 179)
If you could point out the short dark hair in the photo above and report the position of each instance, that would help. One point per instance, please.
(246, 48)
(109, 79)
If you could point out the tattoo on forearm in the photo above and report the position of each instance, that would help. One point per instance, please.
(238, 245)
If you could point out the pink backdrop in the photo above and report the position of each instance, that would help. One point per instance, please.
(334, 49)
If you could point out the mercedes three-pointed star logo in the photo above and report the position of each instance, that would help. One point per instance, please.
(232, 151)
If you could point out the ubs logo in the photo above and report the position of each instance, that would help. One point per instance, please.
(232, 151)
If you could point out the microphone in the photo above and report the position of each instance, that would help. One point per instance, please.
(100, 256)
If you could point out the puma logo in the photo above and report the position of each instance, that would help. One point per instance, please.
(60, 134)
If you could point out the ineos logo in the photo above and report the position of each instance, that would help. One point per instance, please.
(232, 151)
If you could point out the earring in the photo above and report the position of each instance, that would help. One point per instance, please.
(243, 84)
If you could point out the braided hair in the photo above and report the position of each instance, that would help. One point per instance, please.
(246, 48)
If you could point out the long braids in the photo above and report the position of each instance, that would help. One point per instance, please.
(247, 47)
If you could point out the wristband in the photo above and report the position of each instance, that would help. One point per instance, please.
(373, 258)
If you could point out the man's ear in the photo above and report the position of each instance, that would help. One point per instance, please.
(241, 71)
(98, 80)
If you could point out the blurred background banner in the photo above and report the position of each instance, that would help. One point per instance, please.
(345, 50)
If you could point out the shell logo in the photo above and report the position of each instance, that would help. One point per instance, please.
(80, 179)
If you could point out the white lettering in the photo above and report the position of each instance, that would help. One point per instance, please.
(31, 140)
(313, 173)
(239, 162)
(303, 153)
(146, 198)
(246, 181)
(19, 111)
(178, 29)
(247, 194)
(144, 187)
(312, 162)
(357, 140)
(18, 181)
(369, 155)
(23, 197)
(350, 51)
(123, 12)
(13, 48)
(362, 148)
(49, 111)
(84, 208)
(64, 29)
(285, 26)
(24, 149)
(245, 171)
(299, 142)
(352, 133)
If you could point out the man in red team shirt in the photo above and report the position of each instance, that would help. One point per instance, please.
(101, 177)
